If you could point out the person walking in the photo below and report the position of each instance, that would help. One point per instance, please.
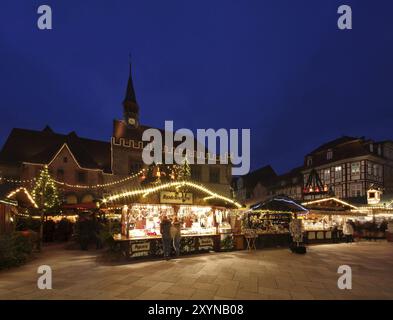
(348, 231)
(176, 235)
(165, 229)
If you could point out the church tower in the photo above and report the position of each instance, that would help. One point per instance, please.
(130, 106)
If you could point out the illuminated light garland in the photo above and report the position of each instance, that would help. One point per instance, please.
(103, 185)
(17, 181)
(327, 199)
(11, 194)
(147, 191)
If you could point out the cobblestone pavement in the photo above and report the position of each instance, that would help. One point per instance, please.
(262, 274)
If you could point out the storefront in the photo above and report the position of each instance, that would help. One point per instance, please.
(209, 221)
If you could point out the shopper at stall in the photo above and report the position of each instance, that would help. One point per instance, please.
(348, 231)
(176, 236)
(165, 229)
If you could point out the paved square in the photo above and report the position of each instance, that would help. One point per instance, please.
(262, 274)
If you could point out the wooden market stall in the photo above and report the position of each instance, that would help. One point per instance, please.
(207, 218)
(269, 221)
(326, 218)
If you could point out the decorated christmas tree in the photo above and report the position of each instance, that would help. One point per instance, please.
(45, 192)
(184, 171)
(46, 196)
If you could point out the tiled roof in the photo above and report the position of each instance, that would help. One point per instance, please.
(40, 147)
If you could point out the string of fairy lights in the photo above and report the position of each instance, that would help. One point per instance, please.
(77, 186)
(178, 184)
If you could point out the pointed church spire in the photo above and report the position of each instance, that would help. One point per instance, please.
(130, 93)
(130, 106)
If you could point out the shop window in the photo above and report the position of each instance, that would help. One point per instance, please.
(71, 199)
(87, 198)
(214, 175)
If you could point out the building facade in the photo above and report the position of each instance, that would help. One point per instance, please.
(86, 169)
(350, 166)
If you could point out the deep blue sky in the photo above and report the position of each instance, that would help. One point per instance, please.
(281, 68)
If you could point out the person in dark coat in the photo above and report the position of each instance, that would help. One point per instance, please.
(176, 235)
(165, 229)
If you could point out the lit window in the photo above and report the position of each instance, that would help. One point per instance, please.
(355, 168)
(338, 172)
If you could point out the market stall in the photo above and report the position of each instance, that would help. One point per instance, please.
(326, 219)
(207, 218)
(269, 221)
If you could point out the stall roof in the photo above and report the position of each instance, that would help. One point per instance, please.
(19, 195)
(329, 204)
(143, 192)
(280, 203)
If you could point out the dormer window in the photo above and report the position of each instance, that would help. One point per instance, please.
(309, 161)
(329, 154)
(379, 150)
(371, 147)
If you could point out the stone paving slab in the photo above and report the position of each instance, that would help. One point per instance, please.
(255, 275)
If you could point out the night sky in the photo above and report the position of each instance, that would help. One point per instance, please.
(281, 68)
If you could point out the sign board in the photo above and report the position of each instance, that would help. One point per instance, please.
(205, 243)
(140, 249)
(172, 197)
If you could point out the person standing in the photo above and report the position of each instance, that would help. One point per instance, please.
(165, 229)
(348, 231)
(176, 235)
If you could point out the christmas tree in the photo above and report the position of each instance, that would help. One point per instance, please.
(185, 171)
(46, 196)
(45, 192)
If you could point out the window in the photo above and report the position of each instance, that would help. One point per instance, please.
(338, 173)
(81, 177)
(371, 195)
(196, 173)
(309, 161)
(371, 147)
(214, 175)
(355, 170)
(65, 159)
(338, 191)
(377, 170)
(355, 189)
(326, 175)
(329, 154)
(60, 174)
